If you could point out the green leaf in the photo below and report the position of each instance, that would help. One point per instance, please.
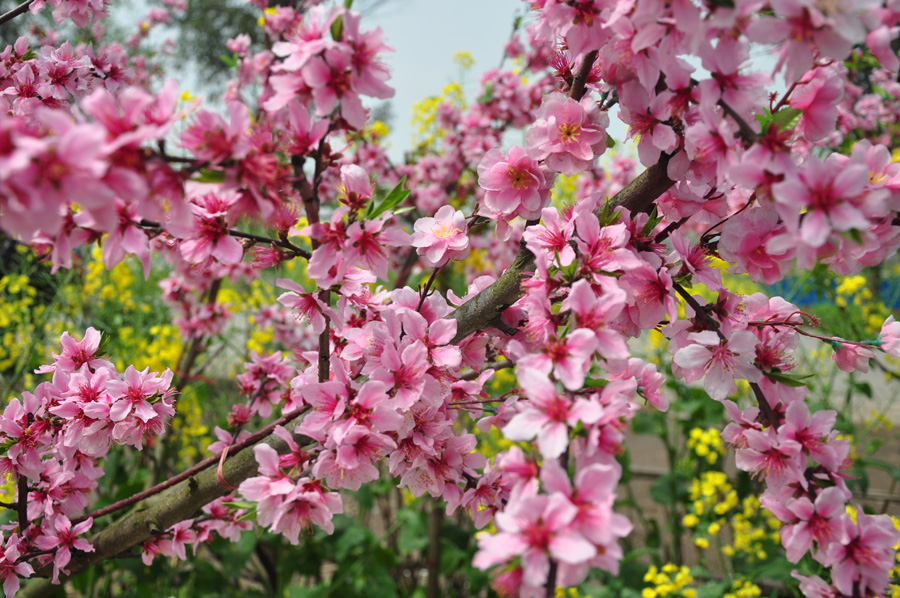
(639, 552)
(488, 94)
(230, 61)
(337, 29)
(390, 201)
(320, 591)
(610, 142)
(864, 388)
(103, 347)
(209, 176)
(651, 222)
(354, 540)
(778, 568)
(241, 504)
(595, 383)
(412, 535)
(788, 380)
(764, 118)
(607, 217)
(787, 118)
(881, 91)
(250, 515)
(669, 488)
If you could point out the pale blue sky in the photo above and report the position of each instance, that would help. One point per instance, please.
(426, 34)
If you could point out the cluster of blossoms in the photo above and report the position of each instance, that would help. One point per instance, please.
(399, 375)
(218, 518)
(797, 454)
(67, 183)
(53, 442)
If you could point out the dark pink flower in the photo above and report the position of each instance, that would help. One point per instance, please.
(514, 186)
(208, 236)
(744, 243)
(11, 568)
(62, 538)
(646, 118)
(862, 556)
(820, 521)
(547, 414)
(77, 353)
(306, 304)
(818, 96)
(718, 361)
(535, 529)
(829, 194)
(213, 140)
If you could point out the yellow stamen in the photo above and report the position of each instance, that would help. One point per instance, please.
(443, 230)
(518, 178)
(569, 132)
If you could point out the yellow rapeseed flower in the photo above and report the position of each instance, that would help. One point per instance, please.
(464, 60)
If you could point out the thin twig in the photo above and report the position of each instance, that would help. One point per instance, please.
(747, 134)
(664, 234)
(325, 342)
(578, 83)
(749, 203)
(497, 365)
(785, 97)
(423, 294)
(19, 10)
(22, 503)
(232, 450)
(282, 243)
(701, 312)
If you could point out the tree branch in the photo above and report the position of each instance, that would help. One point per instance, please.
(484, 309)
(703, 314)
(282, 243)
(19, 10)
(159, 512)
(206, 463)
(578, 84)
(747, 134)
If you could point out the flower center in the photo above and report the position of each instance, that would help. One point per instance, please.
(569, 132)
(443, 230)
(518, 178)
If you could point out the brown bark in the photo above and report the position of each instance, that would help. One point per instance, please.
(484, 309)
(154, 515)
(183, 501)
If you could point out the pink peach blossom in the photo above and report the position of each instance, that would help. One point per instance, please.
(442, 238)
